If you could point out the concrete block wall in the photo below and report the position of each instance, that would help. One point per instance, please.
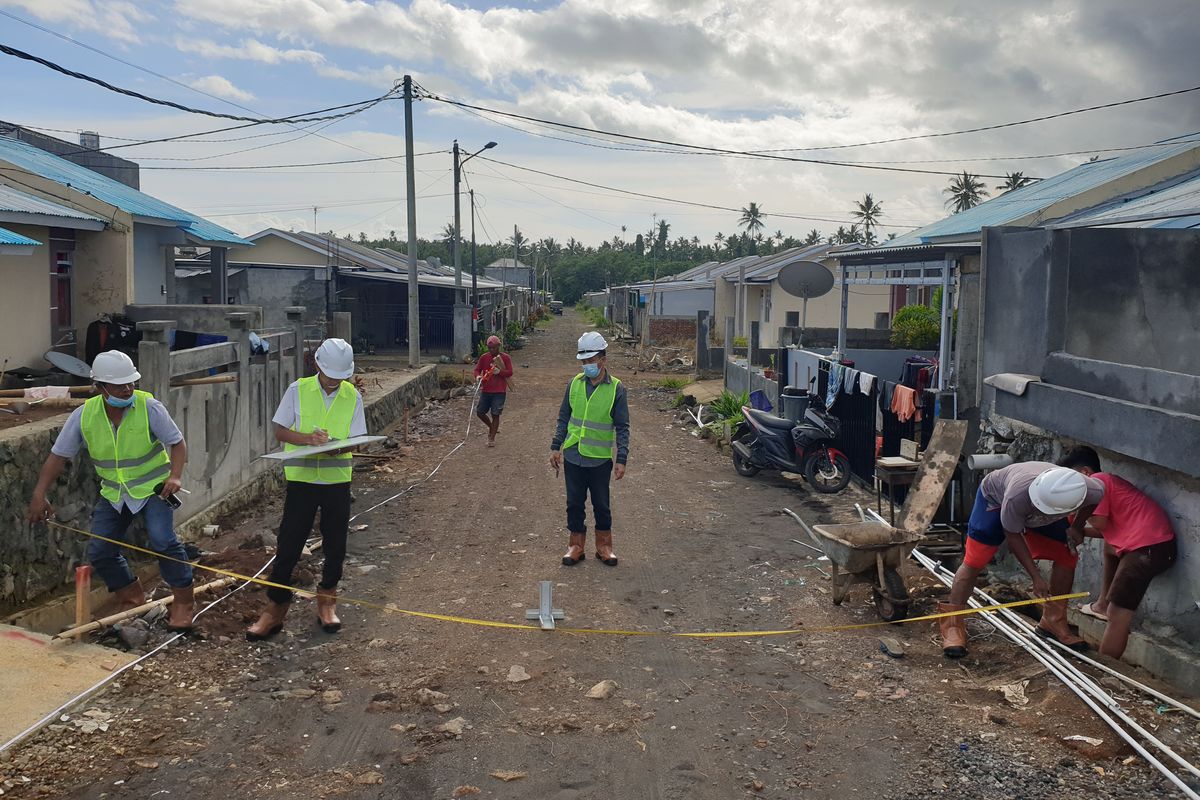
(672, 329)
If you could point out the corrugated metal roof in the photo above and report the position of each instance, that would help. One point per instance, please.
(81, 179)
(1012, 206)
(13, 200)
(13, 238)
(1165, 205)
(422, 279)
(770, 266)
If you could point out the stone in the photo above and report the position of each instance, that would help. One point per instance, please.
(428, 697)
(369, 779)
(507, 775)
(131, 635)
(331, 696)
(443, 708)
(517, 674)
(603, 690)
(454, 727)
(464, 790)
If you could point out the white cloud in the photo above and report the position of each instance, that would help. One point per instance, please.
(248, 50)
(221, 87)
(117, 20)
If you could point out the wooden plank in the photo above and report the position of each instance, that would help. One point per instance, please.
(933, 476)
(199, 359)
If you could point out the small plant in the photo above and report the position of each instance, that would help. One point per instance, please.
(452, 379)
(673, 384)
(679, 401)
(771, 359)
(916, 327)
(512, 332)
(741, 341)
(728, 407)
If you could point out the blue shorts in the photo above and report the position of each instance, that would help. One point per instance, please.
(490, 401)
(984, 525)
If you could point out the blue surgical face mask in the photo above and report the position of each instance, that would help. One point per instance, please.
(117, 402)
(591, 370)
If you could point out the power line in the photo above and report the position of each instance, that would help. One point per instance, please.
(670, 199)
(12, 51)
(693, 147)
(290, 166)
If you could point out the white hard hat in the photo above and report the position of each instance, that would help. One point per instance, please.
(590, 344)
(335, 357)
(113, 366)
(1058, 491)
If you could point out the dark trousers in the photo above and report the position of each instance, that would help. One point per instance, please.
(580, 482)
(299, 509)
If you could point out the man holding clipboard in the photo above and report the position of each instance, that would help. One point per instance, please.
(313, 412)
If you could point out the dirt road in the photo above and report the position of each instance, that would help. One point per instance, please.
(398, 707)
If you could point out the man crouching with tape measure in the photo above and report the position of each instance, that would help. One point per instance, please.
(314, 411)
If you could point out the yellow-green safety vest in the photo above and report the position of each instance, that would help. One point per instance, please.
(128, 460)
(591, 425)
(322, 468)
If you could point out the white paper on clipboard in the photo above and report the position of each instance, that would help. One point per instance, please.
(333, 444)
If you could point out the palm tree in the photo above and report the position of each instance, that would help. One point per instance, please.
(1014, 180)
(720, 239)
(752, 218)
(518, 241)
(867, 211)
(813, 237)
(966, 191)
(448, 235)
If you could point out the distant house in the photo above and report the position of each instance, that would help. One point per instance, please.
(512, 273)
(81, 244)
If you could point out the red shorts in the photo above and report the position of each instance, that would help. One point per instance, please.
(979, 555)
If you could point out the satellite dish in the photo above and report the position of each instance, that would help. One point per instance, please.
(805, 279)
(68, 364)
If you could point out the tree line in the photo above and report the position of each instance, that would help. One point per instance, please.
(576, 268)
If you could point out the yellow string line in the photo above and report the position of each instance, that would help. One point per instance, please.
(391, 608)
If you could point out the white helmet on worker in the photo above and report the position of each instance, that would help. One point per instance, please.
(113, 366)
(1058, 491)
(590, 344)
(335, 357)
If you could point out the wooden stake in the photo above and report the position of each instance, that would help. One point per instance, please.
(406, 424)
(83, 595)
(229, 377)
(113, 619)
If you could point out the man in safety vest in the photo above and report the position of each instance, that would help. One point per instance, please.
(593, 422)
(138, 453)
(314, 411)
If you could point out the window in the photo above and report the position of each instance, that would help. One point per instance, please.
(62, 260)
(793, 319)
(883, 320)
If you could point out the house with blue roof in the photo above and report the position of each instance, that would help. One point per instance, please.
(76, 244)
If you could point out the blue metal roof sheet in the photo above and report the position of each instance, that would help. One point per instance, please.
(14, 200)
(11, 237)
(130, 200)
(1019, 203)
(1172, 200)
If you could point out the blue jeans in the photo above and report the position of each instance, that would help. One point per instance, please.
(109, 559)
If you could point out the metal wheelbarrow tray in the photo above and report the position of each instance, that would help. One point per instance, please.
(867, 552)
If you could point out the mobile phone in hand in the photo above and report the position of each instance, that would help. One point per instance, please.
(172, 500)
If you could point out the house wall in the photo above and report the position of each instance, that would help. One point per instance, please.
(150, 243)
(276, 250)
(25, 301)
(1100, 316)
(682, 302)
(271, 290)
(103, 279)
(672, 330)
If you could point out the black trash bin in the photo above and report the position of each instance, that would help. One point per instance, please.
(793, 403)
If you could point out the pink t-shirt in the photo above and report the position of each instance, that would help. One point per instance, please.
(1134, 520)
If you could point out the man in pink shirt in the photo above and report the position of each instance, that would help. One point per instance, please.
(495, 368)
(1139, 544)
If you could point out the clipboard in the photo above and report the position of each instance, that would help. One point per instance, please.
(316, 449)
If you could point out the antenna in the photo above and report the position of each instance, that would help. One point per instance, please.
(805, 279)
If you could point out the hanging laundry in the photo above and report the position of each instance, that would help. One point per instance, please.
(904, 403)
(836, 374)
(866, 382)
(850, 381)
(887, 392)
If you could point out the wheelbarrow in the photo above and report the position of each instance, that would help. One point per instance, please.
(868, 552)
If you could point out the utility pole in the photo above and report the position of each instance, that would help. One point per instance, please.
(474, 269)
(414, 304)
(315, 220)
(463, 314)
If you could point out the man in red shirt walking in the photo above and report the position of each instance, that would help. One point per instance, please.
(494, 368)
(1139, 544)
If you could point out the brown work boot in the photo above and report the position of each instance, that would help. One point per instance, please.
(131, 596)
(269, 624)
(1054, 626)
(327, 610)
(604, 551)
(954, 630)
(183, 608)
(575, 552)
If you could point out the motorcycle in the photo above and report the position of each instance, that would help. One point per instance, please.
(765, 441)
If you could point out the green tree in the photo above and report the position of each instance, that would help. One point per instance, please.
(867, 211)
(916, 327)
(752, 218)
(965, 191)
(1014, 180)
(813, 237)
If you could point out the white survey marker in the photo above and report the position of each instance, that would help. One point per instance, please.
(332, 444)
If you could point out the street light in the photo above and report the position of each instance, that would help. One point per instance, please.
(461, 348)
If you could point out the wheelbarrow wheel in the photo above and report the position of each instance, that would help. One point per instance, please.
(892, 602)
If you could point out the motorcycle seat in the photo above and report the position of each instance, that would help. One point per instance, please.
(768, 420)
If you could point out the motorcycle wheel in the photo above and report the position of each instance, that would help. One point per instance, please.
(740, 465)
(826, 473)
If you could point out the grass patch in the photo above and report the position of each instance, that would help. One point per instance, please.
(673, 384)
(452, 379)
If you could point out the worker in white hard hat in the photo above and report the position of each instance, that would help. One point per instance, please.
(591, 443)
(138, 453)
(314, 411)
(1026, 505)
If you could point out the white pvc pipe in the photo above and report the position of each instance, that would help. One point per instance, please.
(978, 461)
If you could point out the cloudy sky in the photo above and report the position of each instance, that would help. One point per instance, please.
(732, 74)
